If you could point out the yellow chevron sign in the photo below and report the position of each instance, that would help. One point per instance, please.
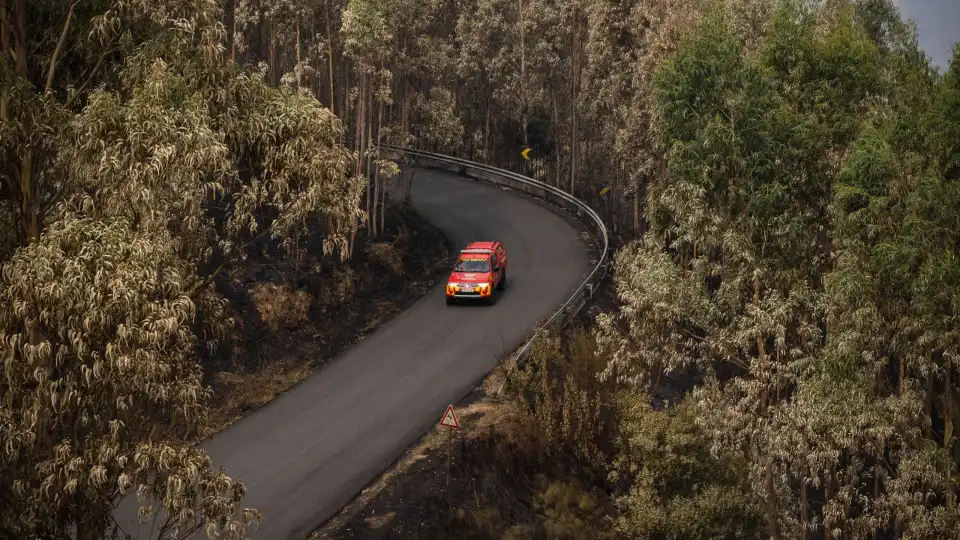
(525, 153)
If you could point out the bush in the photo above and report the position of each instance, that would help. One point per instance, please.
(281, 306)
(561, 392)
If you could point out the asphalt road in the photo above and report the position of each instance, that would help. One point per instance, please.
(309, 452)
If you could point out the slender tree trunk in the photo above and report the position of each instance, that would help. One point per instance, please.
(773, 518)
(523, 74)
(299, 68)
(273, 62)
(405, 113)
(900, 377)
(346, 90)
(231, 24)
(377, 185)
(330, 52)
(4, 33)
(359, 146)
(948, 427)
(29, 192)
(574, 62)
(827, 520)
(366, 141)
(486, 132)
(804, 511)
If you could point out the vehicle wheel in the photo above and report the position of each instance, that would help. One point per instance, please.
(492, 299)
(451, 300)
(503, 281)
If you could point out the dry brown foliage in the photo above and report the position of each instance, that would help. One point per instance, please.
(386, 255)
(281, 306)
(338, 289)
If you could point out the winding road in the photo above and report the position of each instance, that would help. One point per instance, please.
(310, 451)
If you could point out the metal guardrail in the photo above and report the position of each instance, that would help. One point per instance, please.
(479, 171)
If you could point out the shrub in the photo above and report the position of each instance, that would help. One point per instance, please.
(281, 306)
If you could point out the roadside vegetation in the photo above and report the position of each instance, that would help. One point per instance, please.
(780, 360)
(186, 184)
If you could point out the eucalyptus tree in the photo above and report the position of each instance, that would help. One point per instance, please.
(100, 386)
(136, 175)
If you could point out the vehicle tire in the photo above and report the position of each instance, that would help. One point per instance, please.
(451, 301)
(492, 299)
(503, 281)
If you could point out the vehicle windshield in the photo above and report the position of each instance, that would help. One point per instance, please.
(473, 264)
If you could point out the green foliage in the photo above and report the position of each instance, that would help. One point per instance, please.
(559, 389)
(802, 255)
(569, 513)
(674, 487)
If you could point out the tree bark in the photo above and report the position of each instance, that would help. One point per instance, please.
(4, 33)
(382, 189)
(900, 377)
(330, 52)
(574, 63)
(486, 132)
(367, 101)
(827, 520)
(804, 511)
(231, 24)
(298, 69)
(523, 74)
(773, 518)
(272, 62)
(948, 427)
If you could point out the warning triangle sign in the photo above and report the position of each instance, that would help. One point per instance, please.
(450, 419)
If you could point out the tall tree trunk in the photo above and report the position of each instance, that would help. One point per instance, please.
(486, 132)
(298, 70)
(804, 511)
(523, 74)
(773, 506)
(330, 52)
(231, 24)
(376, 180)
(901, 370)
(4, 32)
(359, 146)
(556, 147)
(26, 185)
(827, 520)
(366, 140)
(273, 63)
(405, 113)
(948, 427)
(574, 63)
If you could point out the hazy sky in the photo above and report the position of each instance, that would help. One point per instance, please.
(938, 25)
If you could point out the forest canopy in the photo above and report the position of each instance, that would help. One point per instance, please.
(783, 174)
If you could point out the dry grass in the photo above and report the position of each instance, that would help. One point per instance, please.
(386, 255)
(339, 289)
(252, 390)
(281, 306)
(509, 454)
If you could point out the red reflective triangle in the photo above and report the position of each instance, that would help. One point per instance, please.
(450, 419)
